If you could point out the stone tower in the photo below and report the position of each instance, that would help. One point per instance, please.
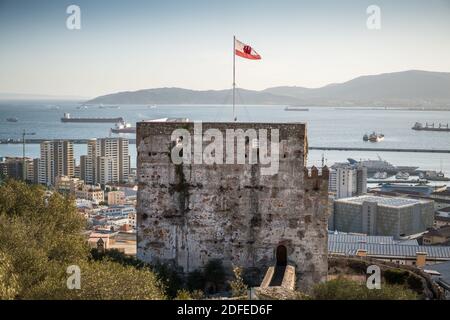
(190, 213)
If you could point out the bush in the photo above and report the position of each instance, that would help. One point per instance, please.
(395, 276)
(169, 278)
(415, 283)
(238, 287)
(196, 280)
(214, 275)
(343, 289)
(184, 294)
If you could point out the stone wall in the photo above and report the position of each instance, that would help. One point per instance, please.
(189, 214)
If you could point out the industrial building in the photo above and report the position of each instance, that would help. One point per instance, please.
(374, 215)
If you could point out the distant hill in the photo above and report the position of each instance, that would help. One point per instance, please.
(185, 96)
(399, 89)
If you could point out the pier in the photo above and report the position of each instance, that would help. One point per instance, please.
(133, 141)
(381, 149)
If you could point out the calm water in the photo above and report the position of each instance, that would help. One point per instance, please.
(326, 127)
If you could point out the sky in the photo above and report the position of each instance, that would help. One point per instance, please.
(132, 45)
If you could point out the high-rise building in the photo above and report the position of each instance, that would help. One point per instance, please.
(13, 167)
(107, 161)
(347, 180)
(56, 160)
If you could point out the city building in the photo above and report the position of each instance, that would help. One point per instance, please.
(90, 192)
(107, 161)
(118, 211)
(68, 185)
(347, 180)
(190, 214)
(13, 167)
(437, 236)
(56, 160)
(116, 198)
(374, 215)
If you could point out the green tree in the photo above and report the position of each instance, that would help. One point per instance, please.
(42, 235)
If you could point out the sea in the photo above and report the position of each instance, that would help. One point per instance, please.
(326, 127)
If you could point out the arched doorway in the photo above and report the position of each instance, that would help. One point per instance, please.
(281, 256)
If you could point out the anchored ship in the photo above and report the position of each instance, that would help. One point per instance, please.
(295, 108)
(123, 128)
(431, 127)
(68, 118)
(373, 137)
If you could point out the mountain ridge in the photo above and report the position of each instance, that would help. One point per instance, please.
(412, 88)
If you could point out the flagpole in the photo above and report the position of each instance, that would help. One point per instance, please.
(234, 77)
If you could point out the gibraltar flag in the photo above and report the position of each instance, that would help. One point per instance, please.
(245, 51)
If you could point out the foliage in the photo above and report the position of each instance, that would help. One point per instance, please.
(183, 294)
(238, 287)
(395, 276)
(170, 279)
(196, 280)
(214, 274)
(344, 289)
(9, 286)
(102, 280)
(116, 256)
(40, 236)
(403, 277)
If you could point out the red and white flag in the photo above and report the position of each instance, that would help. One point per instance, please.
(245, 51)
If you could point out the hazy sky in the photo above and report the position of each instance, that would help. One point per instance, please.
(131, 45)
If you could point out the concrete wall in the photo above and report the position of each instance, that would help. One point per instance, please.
(189, 214)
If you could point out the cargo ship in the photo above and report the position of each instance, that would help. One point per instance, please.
(295, 108)
(68, 118)
(431, 127)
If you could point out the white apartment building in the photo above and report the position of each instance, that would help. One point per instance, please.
(107, 161)
(56, 159)
(347, 181)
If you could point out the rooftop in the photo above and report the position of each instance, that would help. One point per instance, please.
(442, 232)
(362, 238)
(388, 250)
(382, 201)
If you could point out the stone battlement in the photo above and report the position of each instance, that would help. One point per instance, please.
(189, 214)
